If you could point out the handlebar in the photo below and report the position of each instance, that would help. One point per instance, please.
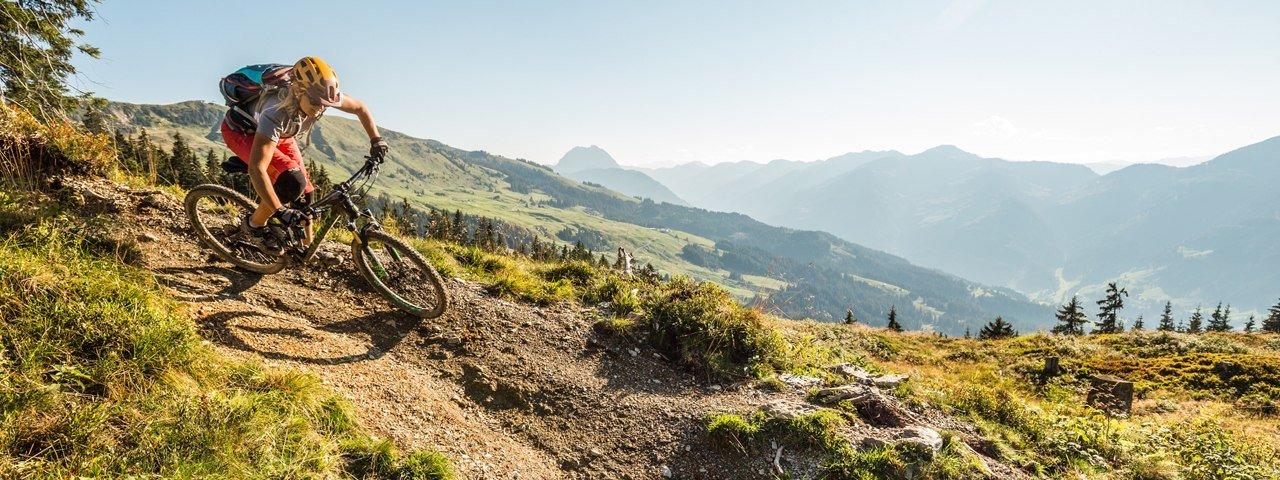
(369, 168)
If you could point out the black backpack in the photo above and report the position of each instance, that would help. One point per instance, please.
(243, 87)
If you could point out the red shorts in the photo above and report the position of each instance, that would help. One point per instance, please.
(286, 157)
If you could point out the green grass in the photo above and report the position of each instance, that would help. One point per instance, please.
(821, 433)
(1189, 420)
(103, 376)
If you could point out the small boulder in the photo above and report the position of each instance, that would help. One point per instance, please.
(800, 381)
(864, 377)
(787, 408)
(925, 437)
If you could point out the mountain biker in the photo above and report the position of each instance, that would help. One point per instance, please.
(272, 153)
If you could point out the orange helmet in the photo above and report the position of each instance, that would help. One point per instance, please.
(314, 78)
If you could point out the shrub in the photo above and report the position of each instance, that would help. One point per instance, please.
(577, 272)
(30, 149)
(731, 429)
(702, 325)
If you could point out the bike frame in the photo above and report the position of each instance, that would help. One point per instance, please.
(339, 203)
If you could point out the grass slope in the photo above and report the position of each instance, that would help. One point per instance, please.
(102, 375)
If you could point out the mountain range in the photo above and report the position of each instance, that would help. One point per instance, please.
(1194, 235)
(593, 164)
(797, 273)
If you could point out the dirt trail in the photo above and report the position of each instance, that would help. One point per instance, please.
(506, 390)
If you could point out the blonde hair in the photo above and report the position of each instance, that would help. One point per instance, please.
(292, 99)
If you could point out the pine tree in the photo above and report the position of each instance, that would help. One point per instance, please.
(1071, 318)
(1166, 318)
(1249, 325)
(579, 251)
(649, 273)
(127, 157)
(603, 262)
(997, 328)
(146, 155)
(212, 168)
(849, 319)
(1195, 325)
(1271, 324)
(893, 319)
(459, 233)
(1219, 320)
(320, 178)
(1109, 308)
(94, 120)
(535, 248)
(1137, 324)
(37, 42)
(184, 163)
(966, 333)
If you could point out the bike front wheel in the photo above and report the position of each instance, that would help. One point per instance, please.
(398, 272)
(216, 212)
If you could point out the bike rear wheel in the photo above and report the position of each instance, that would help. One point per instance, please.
(216, 212)
(400, 274)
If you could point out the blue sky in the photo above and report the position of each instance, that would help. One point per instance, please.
(659, 83)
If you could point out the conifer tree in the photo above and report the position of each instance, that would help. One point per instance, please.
(966, 333)
(997, 328)
(125, 153)
(1271, 324)
(1166, 318)
(1137, 323)
(320, 178)
(94, 120)
(212, 167)
(184, 164)
(146, 155)
(1219, 320)
(1195, 325)
(849, 319)
(603, 262)
(1071, 318)
(893, 319)
(37, 42)
(1249, 325)
(1109, 308)
(459, 233)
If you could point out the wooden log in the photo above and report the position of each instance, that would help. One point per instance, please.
(1052, 367)
(1113, 394)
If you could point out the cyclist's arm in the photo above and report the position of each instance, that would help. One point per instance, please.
(355, 107)
(259, 159)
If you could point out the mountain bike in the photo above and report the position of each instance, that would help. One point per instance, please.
(394, 268)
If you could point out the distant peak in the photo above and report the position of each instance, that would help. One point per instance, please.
(947, 151)
(581, 158)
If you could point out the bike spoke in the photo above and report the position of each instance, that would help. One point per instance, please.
(222, 216)
(400, 275)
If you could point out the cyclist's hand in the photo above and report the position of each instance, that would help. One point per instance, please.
(290, 216)
(378, 148)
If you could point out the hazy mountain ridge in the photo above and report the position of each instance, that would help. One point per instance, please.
(593, 164)
(1015, 223)
(822, 275)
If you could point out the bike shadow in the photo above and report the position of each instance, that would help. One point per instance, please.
(367, 337)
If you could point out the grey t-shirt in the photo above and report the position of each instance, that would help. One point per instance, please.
(274, 118)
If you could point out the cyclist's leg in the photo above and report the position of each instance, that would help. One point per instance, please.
(293, 185)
